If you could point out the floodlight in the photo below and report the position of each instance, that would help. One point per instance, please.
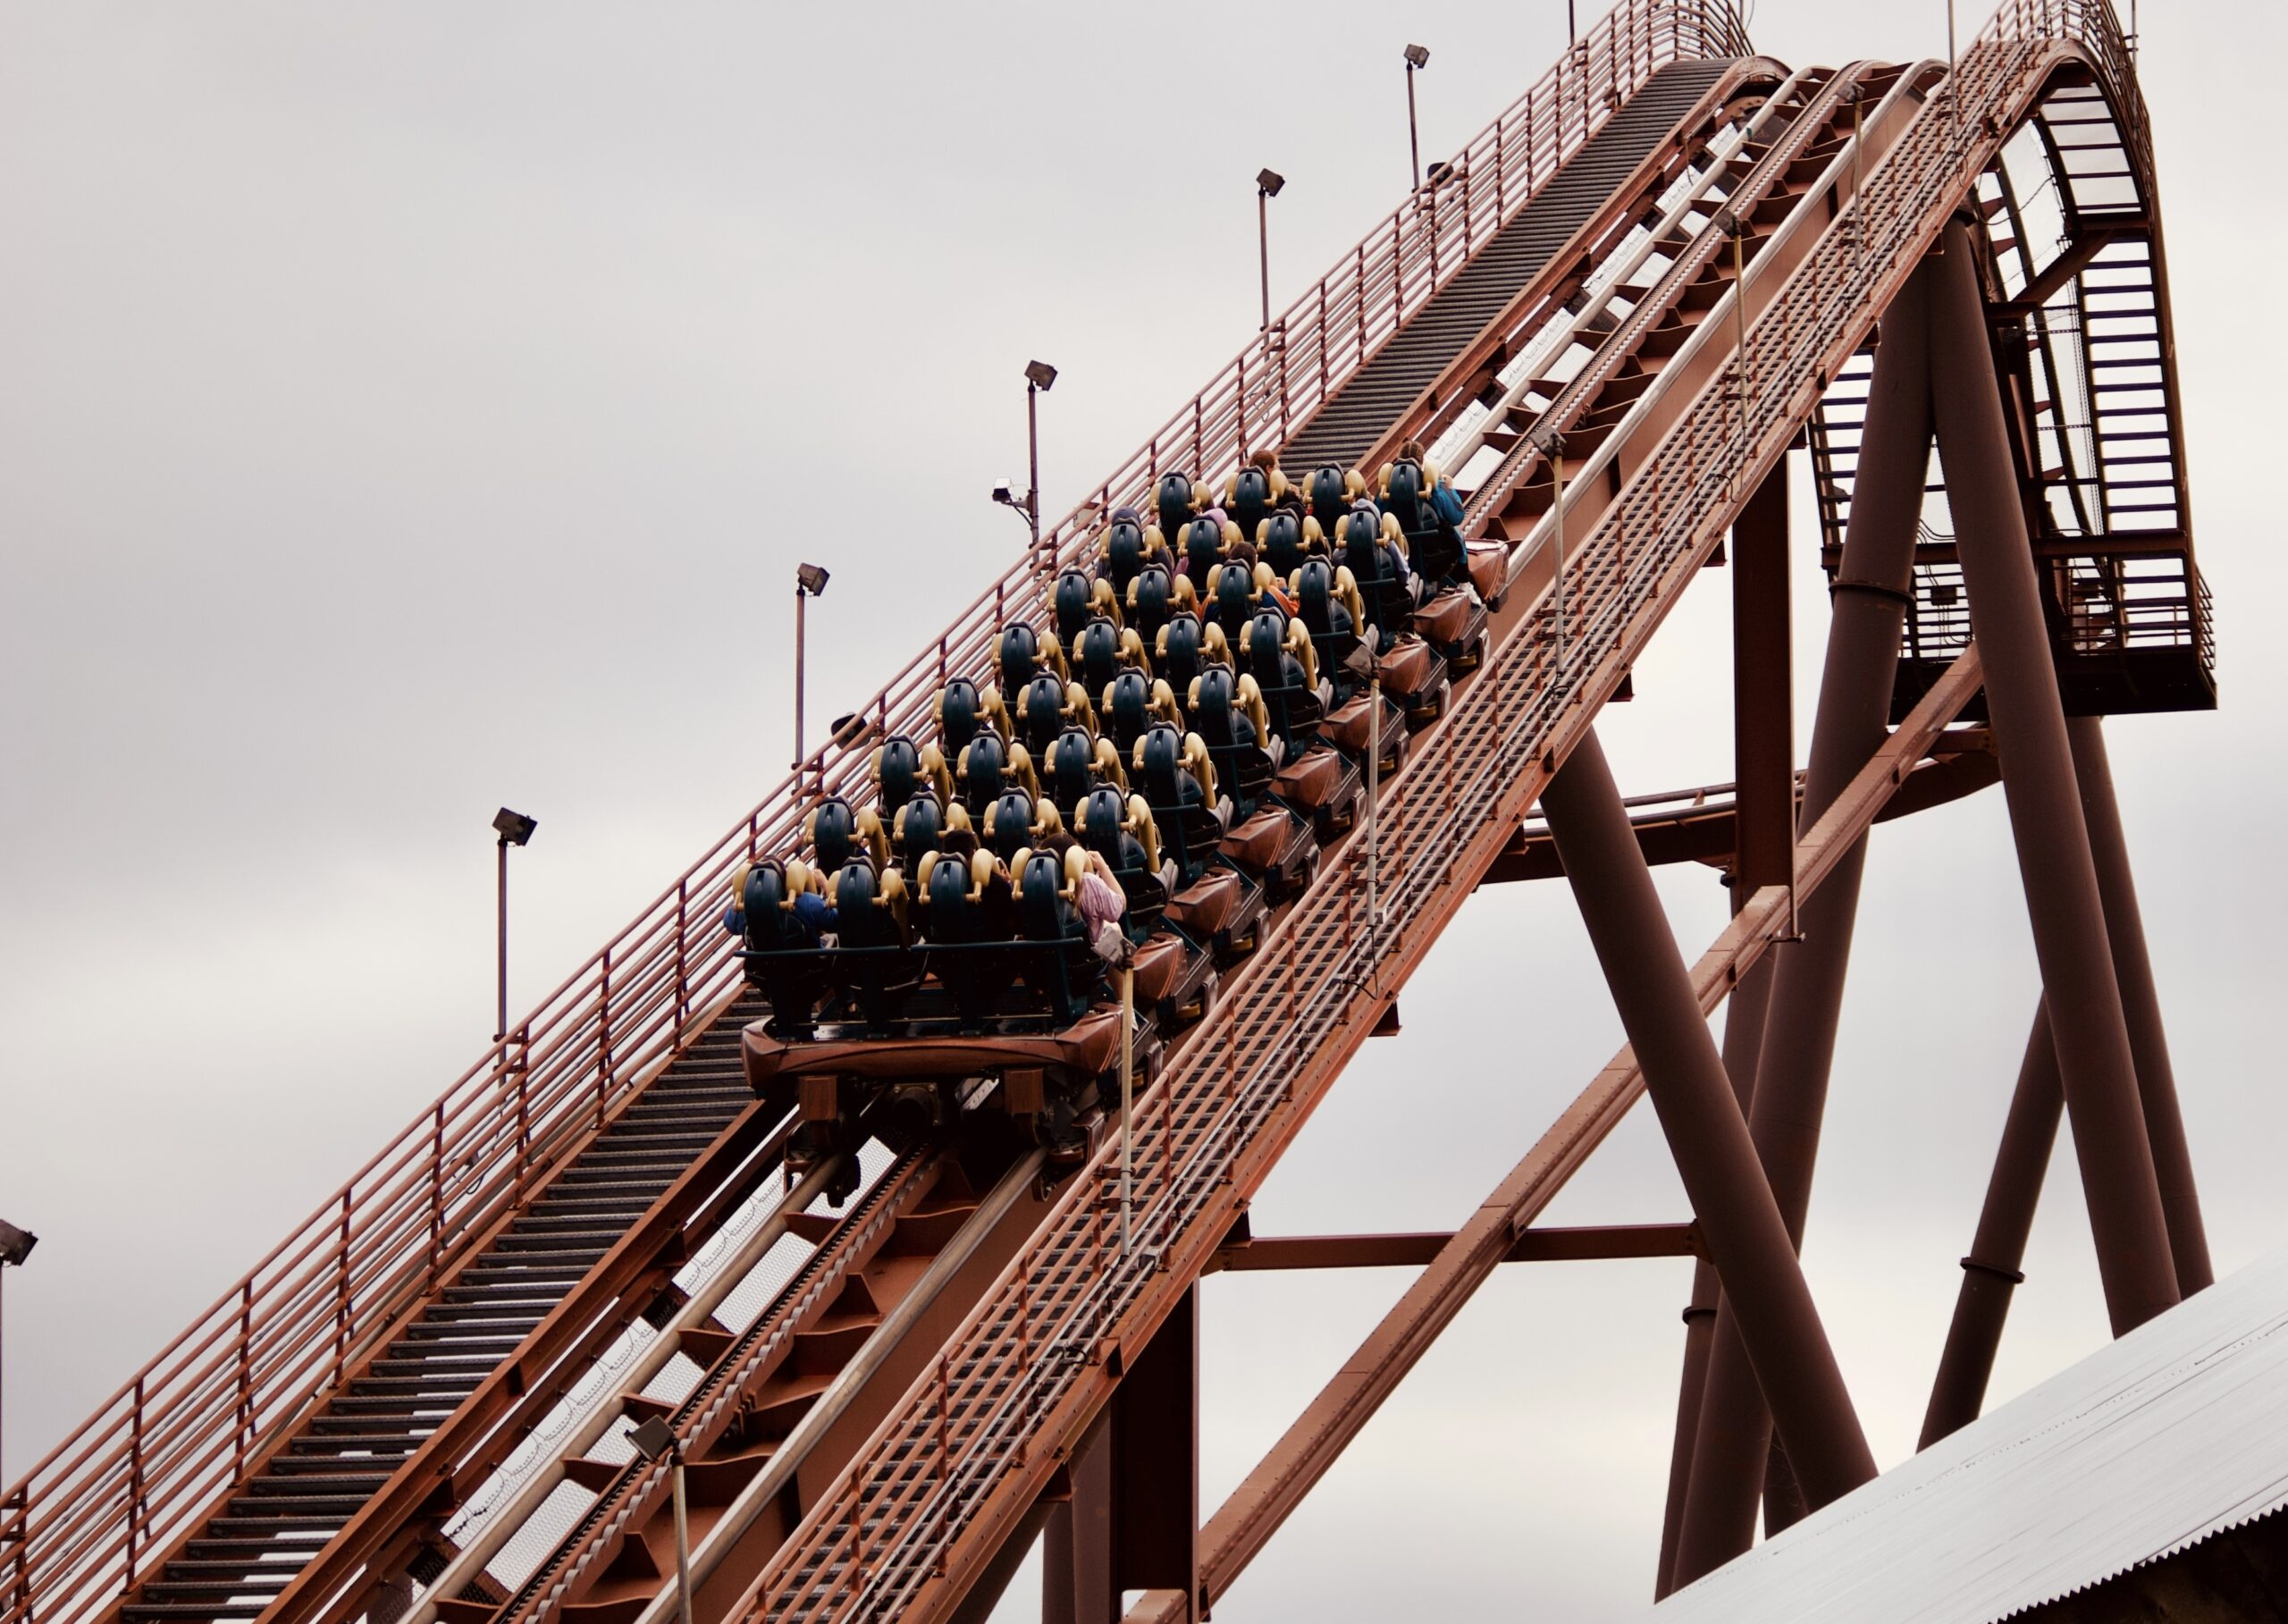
(513, 827)
(810, 578)
(1418, 56)
(15, 1245)
(1040, 375)
(1268, 181)
(653, 1438)
(1440, 174)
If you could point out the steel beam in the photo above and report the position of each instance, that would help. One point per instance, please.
(1739, 1221)
(1763, 772)
(1583, 1244)
(2141, 1003)
(1077, 1584)
(1309, 1447)
(1132, 1519)
(1732, 1427)
(2055, 859)
(1991, 1272)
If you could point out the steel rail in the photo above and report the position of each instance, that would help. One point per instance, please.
(906, 1527)
(79, 1525)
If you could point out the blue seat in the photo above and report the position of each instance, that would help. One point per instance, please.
(982, 772)
(961, 714)
(1181, 804)
(1430, 515)
(1041, 711)
(1251, 498)
(1372, 558)
(1327, 615)
(1151, 600)
(1071, 604)
(897, 772)
(1019, 656)
(1235, 741)
(1062, 971)
(831, 827)
(1121, 830)
(919, 823)
(1009, 823)
(1327, 495)
(1203, 549)
(1232, 598)
(958, 919)
(874, 965)
(1123, 549)
(1096, 654)
(1179, 653)
(1176, 501)
(1279, 543)
(1291, 697)
(783, 961)
(1071, 760)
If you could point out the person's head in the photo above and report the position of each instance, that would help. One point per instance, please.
(1266, 458)
(1412, 451)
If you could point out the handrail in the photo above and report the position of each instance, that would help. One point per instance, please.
(1018, 1375)
(81, 1526)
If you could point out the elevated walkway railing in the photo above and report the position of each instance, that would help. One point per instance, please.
(952, 1470)
(81, 1528)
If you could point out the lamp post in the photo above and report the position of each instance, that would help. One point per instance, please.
(809, 582)
(514, 829)
(15, 1246)
(1416, 56)
(1267, 182)
(1040, 378)
(653, 1439)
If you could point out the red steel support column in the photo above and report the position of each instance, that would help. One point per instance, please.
(1991, 1273)
(2054, 858)
(2141, 1003)
(1076, 1548)
(1729, 1454)
(1763, 772)
(1155, 1463)
(1132, 1522)
(1702, 1121)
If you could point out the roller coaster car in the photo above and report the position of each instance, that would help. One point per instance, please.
(1050, 1082)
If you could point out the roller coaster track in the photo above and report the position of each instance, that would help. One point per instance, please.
(1615, 312)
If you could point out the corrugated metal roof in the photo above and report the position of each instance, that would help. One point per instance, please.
(2175, 1432)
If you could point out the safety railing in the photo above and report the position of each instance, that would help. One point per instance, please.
(1016, 1370)
(85, 1524)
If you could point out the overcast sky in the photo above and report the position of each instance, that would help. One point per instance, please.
(412, 410)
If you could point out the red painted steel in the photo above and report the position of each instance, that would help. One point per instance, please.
(1018, 1385)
